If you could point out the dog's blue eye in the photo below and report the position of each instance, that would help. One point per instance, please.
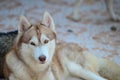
(32, 43)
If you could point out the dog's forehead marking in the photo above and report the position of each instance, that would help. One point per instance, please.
(37, 30)
(34, 39)
(42, 29)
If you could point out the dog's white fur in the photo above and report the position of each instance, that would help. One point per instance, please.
(62, 60)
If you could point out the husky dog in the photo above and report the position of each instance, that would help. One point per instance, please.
(6, 42)
(35, 55)
(109, 5)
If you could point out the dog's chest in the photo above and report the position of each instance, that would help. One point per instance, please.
(48, 76)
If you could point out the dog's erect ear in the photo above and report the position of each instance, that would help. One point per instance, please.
(23, 24)
(48, 21)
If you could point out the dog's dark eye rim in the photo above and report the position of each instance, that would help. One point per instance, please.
(46, 41)
(32, 43)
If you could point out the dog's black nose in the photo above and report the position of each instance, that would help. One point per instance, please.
(42, 58)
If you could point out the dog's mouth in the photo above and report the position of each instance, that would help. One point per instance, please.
(42, 59)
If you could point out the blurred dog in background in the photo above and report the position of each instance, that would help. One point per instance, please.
(75, 15)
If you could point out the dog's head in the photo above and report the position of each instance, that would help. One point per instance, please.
(36, 42)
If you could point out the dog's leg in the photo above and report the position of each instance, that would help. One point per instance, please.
(109, 6)
(78, 71)
(75, 16)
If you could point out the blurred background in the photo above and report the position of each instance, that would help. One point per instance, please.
(94, 31)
